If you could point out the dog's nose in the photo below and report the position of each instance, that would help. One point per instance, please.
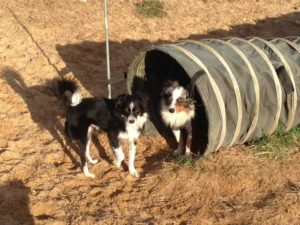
(131, 121)
(171, 110)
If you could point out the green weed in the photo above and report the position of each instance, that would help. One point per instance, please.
(151, 8)
(275, 146)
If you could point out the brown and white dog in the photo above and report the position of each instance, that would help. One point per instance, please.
(177, 110)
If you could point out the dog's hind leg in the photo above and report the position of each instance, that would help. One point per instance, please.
(88, 146)
(84, 161)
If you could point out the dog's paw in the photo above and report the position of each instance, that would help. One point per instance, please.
(188, 154)
(87, 172)
(118, 163)
(177, 152)
(133, 172)
(94, 161)
(90, 175)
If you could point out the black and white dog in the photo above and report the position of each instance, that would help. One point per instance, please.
(177, 112)
(121, 118)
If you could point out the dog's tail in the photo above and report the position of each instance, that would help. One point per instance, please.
(69, 90)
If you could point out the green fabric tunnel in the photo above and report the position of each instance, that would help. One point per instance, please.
(249, 87)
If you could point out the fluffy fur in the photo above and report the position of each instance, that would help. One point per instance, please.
(177, 112)
(121, 118)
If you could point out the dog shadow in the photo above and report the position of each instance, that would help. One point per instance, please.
(14, 204)
(38, 99)
(101, 150)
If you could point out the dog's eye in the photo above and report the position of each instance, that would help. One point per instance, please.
(168, 98)
(136, 112)
(180, 100)
(127, 111)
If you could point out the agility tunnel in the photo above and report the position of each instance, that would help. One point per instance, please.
(244, 88)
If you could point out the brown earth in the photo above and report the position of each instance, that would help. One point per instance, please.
(40, 180)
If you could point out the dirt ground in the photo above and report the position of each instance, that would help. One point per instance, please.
(40, 178)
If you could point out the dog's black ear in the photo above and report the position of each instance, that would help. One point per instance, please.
(141, 95)
(165, 85)
(144, 98)
(169, 83)
(119, 100)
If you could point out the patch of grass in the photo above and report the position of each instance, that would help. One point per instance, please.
(151, 8)
(202, 170)
(186, 161)
(275, 146)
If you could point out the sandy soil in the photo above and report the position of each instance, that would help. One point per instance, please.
(40, 178)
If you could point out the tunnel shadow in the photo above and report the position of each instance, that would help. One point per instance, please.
(282, 26)
(86, 60)
(14, 204)
(154, 163)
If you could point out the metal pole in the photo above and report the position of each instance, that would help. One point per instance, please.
(107, 49)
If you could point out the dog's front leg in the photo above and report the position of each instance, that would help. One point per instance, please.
(120, 156)
(177, 135)
(114, 141)
(186, 142)
(188, 146)
(131, 160)
(181, 143)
